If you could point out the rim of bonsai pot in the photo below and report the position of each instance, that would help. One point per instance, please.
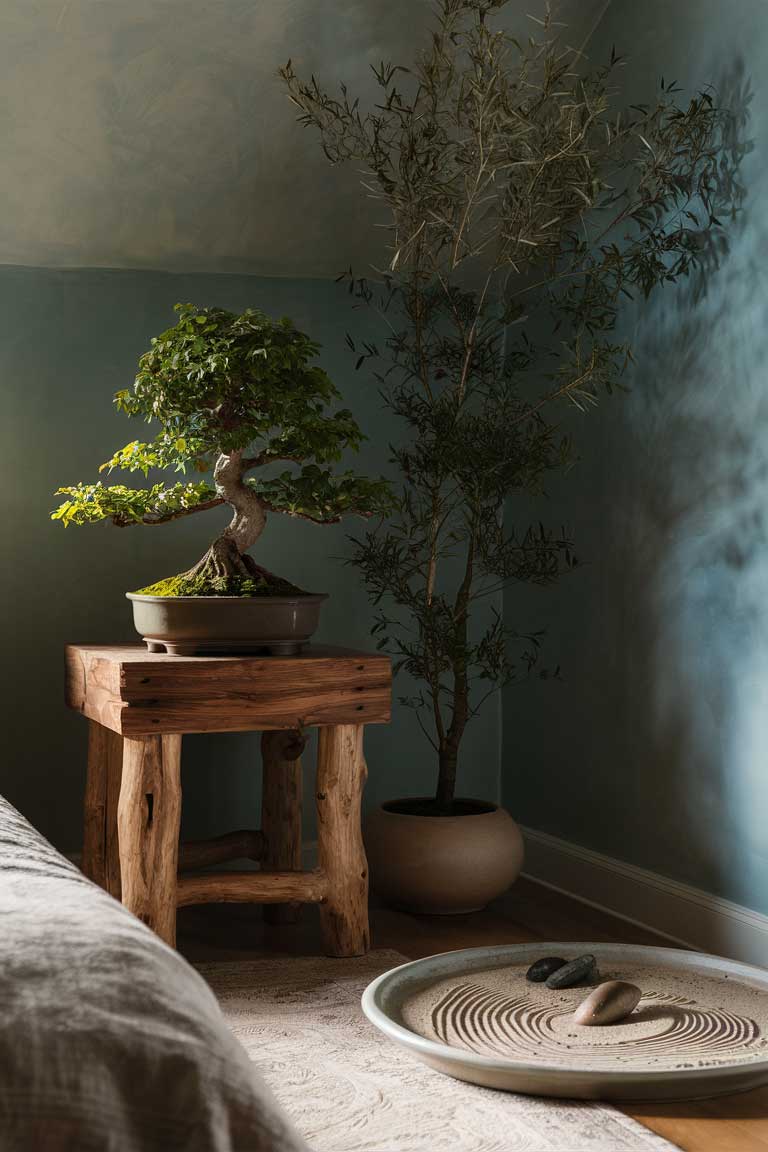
(282, 599)
(466, 806)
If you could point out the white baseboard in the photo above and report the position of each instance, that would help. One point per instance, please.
(684, 915)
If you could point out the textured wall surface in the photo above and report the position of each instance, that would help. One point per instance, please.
(654, 747)
(155, 133)
(68, 341)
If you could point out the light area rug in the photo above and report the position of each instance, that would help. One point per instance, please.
(348, 1089)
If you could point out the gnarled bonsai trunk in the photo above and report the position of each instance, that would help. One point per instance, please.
(228, 555)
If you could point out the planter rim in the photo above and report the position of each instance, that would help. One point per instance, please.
(303, 598)
(491, 808)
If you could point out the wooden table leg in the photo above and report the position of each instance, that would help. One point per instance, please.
(281, 813)
(105, 752)
(341, 773)
(148, 819)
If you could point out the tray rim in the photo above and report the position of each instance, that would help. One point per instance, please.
(450, 962)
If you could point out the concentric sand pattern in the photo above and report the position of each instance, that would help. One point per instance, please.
(700, 1028)
(493, 1024)
(682, 1021)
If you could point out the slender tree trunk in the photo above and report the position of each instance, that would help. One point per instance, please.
(449, 748)
(446, 780)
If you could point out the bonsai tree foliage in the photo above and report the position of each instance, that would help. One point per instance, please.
(231, 394)
(524, 203)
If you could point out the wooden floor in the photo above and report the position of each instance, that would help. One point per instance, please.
(529, 912)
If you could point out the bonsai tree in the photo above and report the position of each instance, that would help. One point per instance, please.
(231, 394)
(524, 204)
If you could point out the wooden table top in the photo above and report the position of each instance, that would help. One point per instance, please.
(136, 692)
(139, 653)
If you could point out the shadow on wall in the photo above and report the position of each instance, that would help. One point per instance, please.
(686, 574)
(652, 749)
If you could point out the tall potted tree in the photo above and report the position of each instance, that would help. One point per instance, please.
(523, 203)
(232, 395)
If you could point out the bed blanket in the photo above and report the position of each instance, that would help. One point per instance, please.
(109, 1040)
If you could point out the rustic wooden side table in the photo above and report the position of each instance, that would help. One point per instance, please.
(140, 703)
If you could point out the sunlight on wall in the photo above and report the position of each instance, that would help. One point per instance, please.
(654, 748)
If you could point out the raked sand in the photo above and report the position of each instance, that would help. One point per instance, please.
(684, 1020)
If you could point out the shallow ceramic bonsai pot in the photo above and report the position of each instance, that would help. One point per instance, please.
(207, 625)
(442, 864)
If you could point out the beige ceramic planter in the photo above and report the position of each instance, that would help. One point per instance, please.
(442, 864)
(200, 625)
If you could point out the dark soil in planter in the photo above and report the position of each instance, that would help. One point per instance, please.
(427, 806)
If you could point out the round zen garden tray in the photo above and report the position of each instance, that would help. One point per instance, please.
(700, 1029)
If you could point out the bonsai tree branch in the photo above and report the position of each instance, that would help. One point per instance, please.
(152, 519)
(90, 503)
(251, 462)
(307, 517)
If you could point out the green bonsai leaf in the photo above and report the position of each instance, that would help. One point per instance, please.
(231, 393)
(90, 503)
(317, 494)
(316, 437)
(228, 380)
(163, 452)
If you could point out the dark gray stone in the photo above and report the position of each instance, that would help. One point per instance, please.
(543, 969)
(582, 968)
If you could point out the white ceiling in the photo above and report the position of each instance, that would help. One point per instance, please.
(154, 133)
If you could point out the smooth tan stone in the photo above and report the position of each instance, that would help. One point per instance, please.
(608, 1003)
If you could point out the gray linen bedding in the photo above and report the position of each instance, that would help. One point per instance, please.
(109, 1040)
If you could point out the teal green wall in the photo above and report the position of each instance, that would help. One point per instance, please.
(654, 748)
(68, 341)
(156, 134)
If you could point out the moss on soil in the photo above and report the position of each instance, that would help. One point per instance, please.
(186, 585)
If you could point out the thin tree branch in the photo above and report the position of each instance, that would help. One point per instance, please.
(315, 519)
(420, 722)
(264, 458)
(150, 520)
